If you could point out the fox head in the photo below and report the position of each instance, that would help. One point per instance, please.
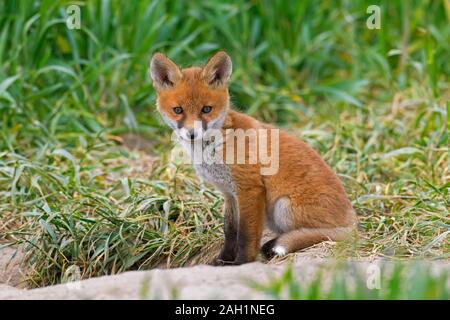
(192, 100)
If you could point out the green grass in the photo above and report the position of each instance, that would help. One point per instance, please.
(400, 281)
(374, 103)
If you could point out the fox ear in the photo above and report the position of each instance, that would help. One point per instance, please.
(164, 72)
(217, 71)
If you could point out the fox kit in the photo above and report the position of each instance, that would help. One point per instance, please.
(302, 201)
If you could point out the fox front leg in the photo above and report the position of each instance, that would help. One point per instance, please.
(251, 205)
(229, 250)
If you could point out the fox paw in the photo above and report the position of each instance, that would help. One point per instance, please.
(220, 262)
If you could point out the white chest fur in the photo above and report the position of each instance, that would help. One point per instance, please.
(219, 175)
(209, 167)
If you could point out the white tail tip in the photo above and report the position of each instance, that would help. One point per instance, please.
(279, 251)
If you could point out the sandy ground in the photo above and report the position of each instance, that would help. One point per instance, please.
(196, 282)
(199, 282)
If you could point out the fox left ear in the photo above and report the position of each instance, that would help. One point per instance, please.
(217, 71)
(164, 72)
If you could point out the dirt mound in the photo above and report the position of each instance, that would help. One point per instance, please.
(195, 282)
(205, 282)
(199, 282)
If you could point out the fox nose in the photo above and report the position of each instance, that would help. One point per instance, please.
(192, 134)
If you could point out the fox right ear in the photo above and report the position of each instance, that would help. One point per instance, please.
(164, 72)
(217, 71)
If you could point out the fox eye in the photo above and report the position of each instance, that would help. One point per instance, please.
(178, 110)
(206, 109)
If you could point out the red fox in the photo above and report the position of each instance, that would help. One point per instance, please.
(303, 201)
